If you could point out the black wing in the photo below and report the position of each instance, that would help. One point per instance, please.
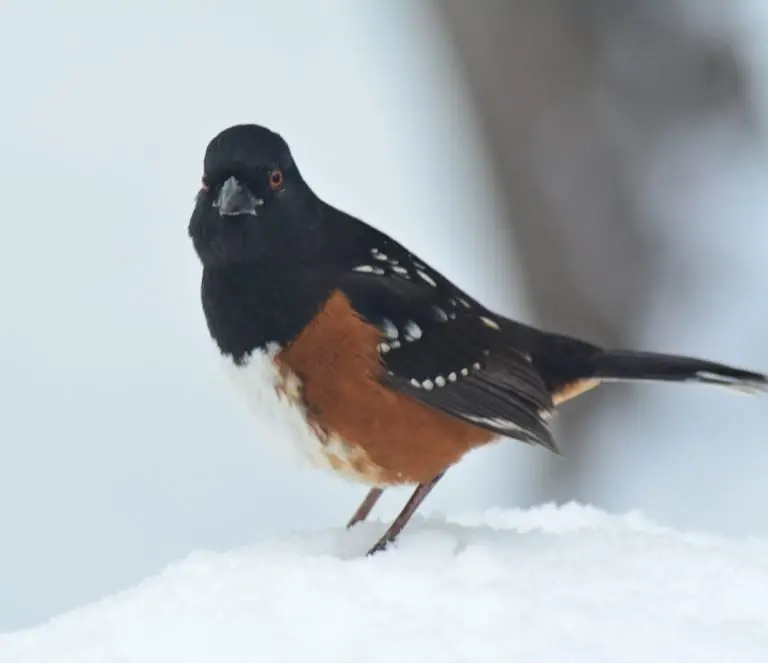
(445, 350)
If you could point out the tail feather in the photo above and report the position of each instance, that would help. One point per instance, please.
(639, 366)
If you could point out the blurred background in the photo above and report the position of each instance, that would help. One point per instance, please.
(597, 168)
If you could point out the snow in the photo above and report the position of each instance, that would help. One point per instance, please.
(565, 584)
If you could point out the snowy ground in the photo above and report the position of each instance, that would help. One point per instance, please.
(567, 585)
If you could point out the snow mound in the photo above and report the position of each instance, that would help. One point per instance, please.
(565, 585)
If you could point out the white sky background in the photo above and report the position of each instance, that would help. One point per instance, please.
(122, 447)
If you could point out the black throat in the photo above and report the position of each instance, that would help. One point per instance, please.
(250, 305)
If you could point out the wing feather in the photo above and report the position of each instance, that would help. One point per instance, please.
(439, 348)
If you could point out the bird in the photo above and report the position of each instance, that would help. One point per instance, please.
(365, 360)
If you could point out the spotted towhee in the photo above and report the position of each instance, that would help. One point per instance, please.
(368, 361)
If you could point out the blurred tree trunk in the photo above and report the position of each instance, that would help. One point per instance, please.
(570, 97)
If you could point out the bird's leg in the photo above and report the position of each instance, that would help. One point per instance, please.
(366, 506)
(421, 492)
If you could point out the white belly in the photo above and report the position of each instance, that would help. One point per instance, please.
(274, 400)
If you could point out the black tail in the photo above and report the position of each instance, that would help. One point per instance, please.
(638, 366)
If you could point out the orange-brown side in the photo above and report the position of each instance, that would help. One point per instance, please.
(391, 438)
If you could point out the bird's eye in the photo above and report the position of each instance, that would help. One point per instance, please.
(204, 184)
(275, 179)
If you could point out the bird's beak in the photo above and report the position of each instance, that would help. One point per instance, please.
(235, 199)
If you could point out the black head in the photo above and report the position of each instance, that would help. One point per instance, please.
(253, 202)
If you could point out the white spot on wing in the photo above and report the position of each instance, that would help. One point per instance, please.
(412, 331)
(440, 314)
(495, 422)
(545, 415)
(426, 277)
(389, 329)
(490, 323)
(368, 269)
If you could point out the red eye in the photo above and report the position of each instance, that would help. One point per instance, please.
(204, 184)
(275, 179)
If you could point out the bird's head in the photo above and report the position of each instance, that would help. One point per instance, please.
(253, 202)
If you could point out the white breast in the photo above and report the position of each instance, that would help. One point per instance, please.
(275, 401)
